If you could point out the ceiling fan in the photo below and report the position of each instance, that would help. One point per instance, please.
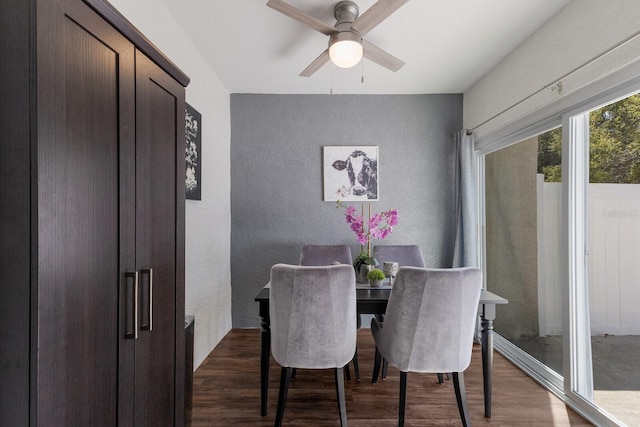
(346, 43)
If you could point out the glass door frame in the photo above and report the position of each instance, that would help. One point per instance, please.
(578, 372)
(577, 367)
(575, 387)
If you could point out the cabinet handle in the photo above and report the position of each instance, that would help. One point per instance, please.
(147, 306)
(131, 310)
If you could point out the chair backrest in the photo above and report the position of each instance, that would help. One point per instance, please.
(313, 315)
(404, 255)
(325, 255)
(430, 319)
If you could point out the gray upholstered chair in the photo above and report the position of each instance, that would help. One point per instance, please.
(429, 326)
(405, 256)
(325, 255)
(313, 323)
(329, 255)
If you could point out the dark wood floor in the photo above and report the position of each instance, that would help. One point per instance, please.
(227, 393)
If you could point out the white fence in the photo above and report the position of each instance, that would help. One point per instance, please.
(613, 261)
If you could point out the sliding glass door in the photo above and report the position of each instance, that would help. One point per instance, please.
(522, 218)
(562, 244)
(607, 334)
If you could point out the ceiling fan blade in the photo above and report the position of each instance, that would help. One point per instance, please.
(301, 16)
(375, 15)
(316, 64)
(381, 57)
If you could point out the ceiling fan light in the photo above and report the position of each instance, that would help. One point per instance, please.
(345, 49)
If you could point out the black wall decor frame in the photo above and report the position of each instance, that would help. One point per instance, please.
(193, 153)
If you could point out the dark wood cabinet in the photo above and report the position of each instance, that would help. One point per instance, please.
(92, 220)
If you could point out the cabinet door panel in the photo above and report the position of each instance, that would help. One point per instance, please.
(160, 156)
(15, 210)
(84, 84)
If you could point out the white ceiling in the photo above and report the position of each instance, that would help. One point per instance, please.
(447, 45)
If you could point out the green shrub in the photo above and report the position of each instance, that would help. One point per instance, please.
(375, 274)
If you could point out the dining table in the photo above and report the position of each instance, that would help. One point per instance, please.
(373, 300)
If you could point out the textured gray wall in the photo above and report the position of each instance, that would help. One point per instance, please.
(276, 178)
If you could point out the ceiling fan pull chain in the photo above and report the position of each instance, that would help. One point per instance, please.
(362, 71)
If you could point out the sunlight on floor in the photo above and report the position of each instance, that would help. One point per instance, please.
(558, 412)
(622, 404)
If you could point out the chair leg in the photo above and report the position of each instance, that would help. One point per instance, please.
(441, 378)
(293, 373)
(342, 405)
(461, 397)
(376, 366)
(356, 368)
(385, 366)
(403, 398)
(285, 379)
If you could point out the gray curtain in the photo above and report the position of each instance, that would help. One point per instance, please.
(465, 252)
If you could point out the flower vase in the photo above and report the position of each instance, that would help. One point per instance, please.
(361, 277)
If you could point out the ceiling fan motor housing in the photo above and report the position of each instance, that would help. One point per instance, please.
(345, 12)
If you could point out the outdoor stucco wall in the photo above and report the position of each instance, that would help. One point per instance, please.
(511, 236)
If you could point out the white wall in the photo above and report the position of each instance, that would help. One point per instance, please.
(580, 32)
(208, 222)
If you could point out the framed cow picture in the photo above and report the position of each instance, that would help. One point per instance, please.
(350, 173)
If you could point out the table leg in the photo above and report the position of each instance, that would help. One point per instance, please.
(265, 352)
(487, 362)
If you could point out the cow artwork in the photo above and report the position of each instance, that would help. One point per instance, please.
(351, 173)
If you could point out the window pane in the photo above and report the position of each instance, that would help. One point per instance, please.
(522, 196)
(614, 247)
